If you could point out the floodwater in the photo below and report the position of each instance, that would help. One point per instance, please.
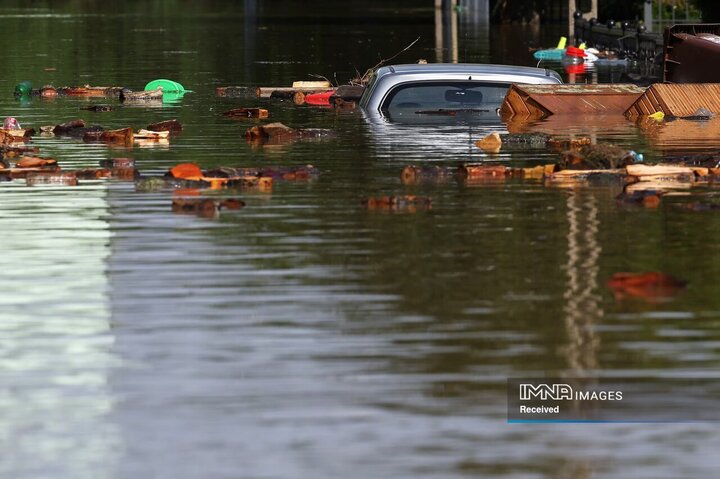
(304, 336)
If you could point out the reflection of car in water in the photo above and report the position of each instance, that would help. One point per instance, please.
(438, 110)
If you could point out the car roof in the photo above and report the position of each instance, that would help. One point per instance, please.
(391, 76)
(470, 68)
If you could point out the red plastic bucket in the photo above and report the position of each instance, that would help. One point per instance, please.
(319, 99)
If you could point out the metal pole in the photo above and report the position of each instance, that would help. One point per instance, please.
(648, 15)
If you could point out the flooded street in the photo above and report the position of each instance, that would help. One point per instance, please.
(304, 336)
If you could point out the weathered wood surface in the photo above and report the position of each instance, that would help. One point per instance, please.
(539, 101)
(677, 100)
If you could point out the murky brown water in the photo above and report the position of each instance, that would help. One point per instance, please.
(304, 336)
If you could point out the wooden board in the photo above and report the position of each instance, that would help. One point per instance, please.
(539, 101)
(677, 99)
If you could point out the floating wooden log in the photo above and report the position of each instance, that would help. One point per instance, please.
(46, 178)
(123, 136)
(348, 93)
(277, 132)
(235, 91)
(172, 126)
(91, 91)
(247, 113)
(141, 96)
(312, 84)
(531, 102)
(661, 173)
(469, 172)
(64, 128)
(284, 92)
(35, 162)
(151, 135)
(606, 177)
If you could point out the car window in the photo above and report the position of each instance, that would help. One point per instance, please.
(419, 98)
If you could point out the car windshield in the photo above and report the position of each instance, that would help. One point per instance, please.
(425, 98)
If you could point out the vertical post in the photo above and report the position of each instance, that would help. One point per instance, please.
(453, 31)
(438, 32)
(572, 6)
(648, 15)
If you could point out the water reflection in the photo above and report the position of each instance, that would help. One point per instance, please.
(582, 301)
(56, 349)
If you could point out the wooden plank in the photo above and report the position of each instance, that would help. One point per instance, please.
(544, 100)
(267, 92)
(311, 84)
(677, 100)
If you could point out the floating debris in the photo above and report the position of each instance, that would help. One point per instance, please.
(172, 126)
(472, 172)
(92, 173)
(651, 286)
(279, 133)
(118, 163)
(98, 108)
(186, 171)
(348, 93)
(65, 128)
(598, 157)
(235, 91)
(493, 142)
(679, 100)
(661, 173)
(286, 92)
(123, 136)
(49, 91)
(157, 183)
(534, 102)
(35, 162)
(128, 96)
(8, 151)
(57, 178)
(405, 204)
(151, 135)
(205, 207)
(247, 113)
(644, 198)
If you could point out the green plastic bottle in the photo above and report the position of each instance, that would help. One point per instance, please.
(23, 88)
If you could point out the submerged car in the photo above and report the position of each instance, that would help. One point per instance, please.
(426, 93)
